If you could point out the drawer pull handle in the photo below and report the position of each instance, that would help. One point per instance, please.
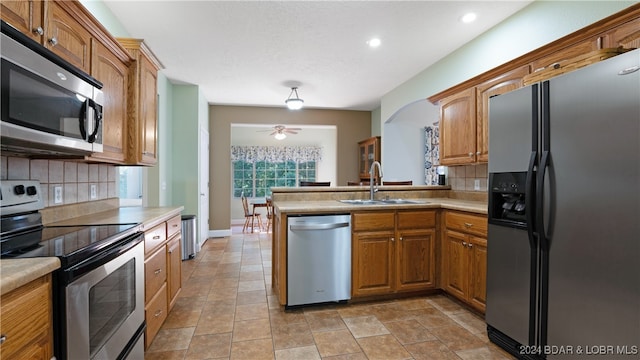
(156, 237)
(158, 313)
(175, 225)
(3, 338)
(468, 225)
(158, 271)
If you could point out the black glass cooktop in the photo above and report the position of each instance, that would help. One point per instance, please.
(71, 244)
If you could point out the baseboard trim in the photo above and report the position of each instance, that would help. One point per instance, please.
(219, 233)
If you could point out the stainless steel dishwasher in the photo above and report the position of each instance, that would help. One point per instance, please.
(318, 259)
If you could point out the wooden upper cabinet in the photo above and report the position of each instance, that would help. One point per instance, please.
(626, 35)
(509, 81)
(142, 93)
(67, 37)
(566, 54)
(458, 128)
(25, 15)
(114, 75)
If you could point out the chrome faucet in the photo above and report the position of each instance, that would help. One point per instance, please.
(373, 187)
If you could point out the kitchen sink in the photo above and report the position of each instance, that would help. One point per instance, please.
(383, 202)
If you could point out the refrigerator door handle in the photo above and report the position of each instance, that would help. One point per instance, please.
(542, 170)
(529, 198)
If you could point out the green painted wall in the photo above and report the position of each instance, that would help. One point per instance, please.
(185, 152)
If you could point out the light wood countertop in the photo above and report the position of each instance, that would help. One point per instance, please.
(332, 206)
(17, 272)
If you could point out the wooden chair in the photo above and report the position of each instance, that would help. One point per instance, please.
(315, 183)
(408, 182)
(249, 216)
(269, 214)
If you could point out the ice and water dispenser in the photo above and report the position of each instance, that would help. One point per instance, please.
(507, 203)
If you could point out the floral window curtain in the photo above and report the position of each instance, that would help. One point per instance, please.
(431, 154)
(254, 154)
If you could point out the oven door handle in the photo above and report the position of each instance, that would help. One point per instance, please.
(121, 247)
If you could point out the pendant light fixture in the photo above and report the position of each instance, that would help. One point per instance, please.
(294, 103)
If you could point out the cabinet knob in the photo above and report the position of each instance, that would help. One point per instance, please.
(464, 243)
(38, 30)
(470, 154)
(392, 239)
(53, 41)
(470, 245)
(477, 152)
(3, 338)
(400, 238)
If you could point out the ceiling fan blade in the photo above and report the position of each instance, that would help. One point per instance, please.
(294, 128)
(273, 133)
(290, 131)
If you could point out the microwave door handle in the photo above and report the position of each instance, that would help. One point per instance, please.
(82, 119)
(97, 117)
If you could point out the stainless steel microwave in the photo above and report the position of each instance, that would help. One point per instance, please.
(48, 106)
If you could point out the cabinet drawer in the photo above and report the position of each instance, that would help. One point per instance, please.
(155, 314)
(416, 219)
(467, 223)
(174, 225)
(372, 221)
(26, 319)
(155, 237)
(155, 273)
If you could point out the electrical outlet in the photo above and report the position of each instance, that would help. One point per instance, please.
(93, 193)
(476, 184)
(57, 194)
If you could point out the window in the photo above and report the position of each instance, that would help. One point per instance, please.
(130, 185)
(256, 179)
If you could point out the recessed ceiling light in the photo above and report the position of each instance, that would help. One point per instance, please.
(374, 42)
(467, 18)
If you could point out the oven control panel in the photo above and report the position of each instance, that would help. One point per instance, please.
(18, 196)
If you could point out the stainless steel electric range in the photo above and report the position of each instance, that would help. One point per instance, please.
(98, 293)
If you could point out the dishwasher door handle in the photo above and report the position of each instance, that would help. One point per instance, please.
(327, 226)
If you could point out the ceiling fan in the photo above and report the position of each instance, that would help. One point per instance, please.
(280, 131)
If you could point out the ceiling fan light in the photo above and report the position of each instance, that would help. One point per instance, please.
(294, 103)
(280, 136)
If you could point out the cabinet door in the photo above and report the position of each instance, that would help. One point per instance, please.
(67, 38)
(500, 85)
(174, 269)
(155, 273)
(372, 263)
(456, 264)
(563, 55)
(415, 259)
(25, 15)
(148, 118)
(478, 272)
(114, 75)
(458, 128)
(626, 35)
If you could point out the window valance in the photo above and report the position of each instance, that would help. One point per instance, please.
(276, 153)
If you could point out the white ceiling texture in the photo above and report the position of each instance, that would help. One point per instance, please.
(252, 52)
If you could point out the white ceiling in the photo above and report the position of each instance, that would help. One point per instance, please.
(253, 52)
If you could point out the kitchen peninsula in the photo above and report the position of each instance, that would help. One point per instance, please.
(422, 239)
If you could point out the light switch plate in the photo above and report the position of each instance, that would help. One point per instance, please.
(93, 192)
(57, 194)
(476, 184)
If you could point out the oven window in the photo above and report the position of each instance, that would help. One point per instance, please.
(111, 301)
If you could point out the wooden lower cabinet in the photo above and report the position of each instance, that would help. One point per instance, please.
(26, 325)
(393, 251)
(163, 274)
(465, 258)
(174, 269)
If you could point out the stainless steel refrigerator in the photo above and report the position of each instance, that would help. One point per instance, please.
(563, 273)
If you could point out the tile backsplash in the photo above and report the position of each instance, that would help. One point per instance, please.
(462, 178)
(76, 179)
